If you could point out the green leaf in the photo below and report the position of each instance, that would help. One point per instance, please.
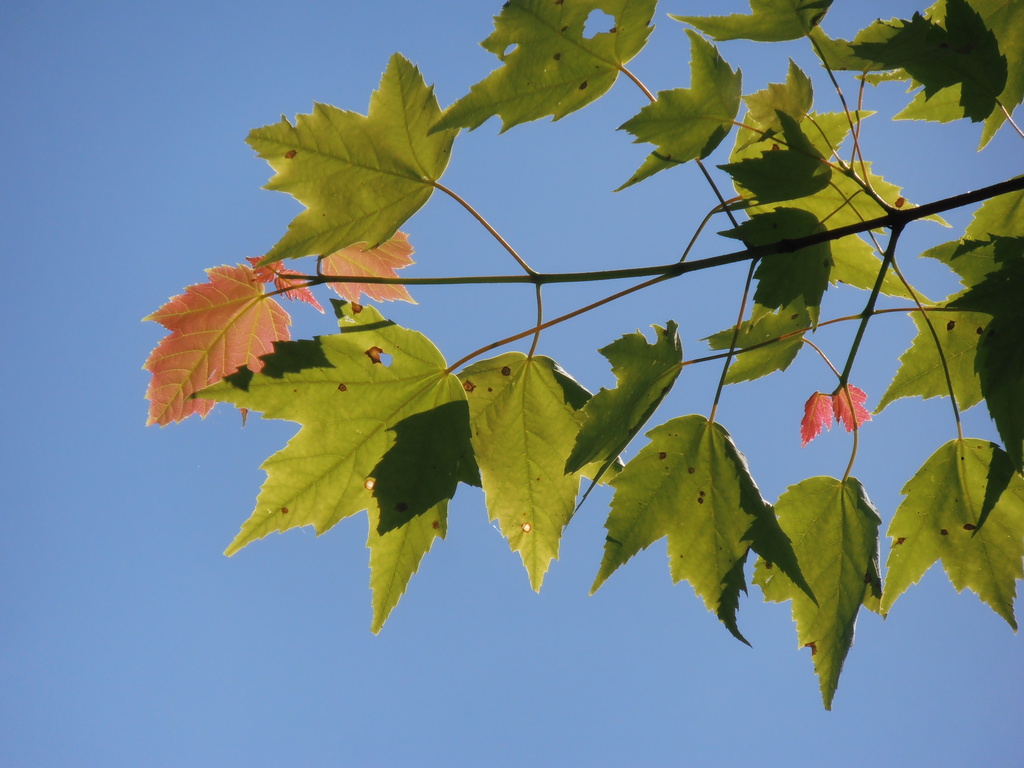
(383, 426)
(965, 506)
(1001, 216)
(395, 556)
(359, 177)
(1000, 356)
(964, 52)
(794, 98)
(525, 422)
(777, 174)
(551, 69)
(691, 484)
(770, 21)
(834, 530)
(765, 328)
(1006, 21)
(921, 373)
(688, 123)
(611, 418)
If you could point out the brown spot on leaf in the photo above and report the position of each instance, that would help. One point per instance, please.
(245, 415)
(356, 308)
(374, 354)
(813, 646)
(951, 325)
(690, 470)
(900, 202)
(583, 85)
(436, 524)
(468, 385)
(899, 541)
(284, 510)
(506, 371)
(342, 387)
(943, 531)
(700, 499)
(369, 484)
(978, 331)
(662, 454)
(969, 526)
(557, 56)
(290, 154)
(526, 527)
(769, 564)
(401, 506)
(613, 30)
(565, 28)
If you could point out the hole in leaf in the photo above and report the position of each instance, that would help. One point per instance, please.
(597, 22)
(378, 355)
(369, 484)
(526, 527)
(508, 49)
(813, 646)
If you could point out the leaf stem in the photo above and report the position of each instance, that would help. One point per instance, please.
(732, 343)
(486, 225)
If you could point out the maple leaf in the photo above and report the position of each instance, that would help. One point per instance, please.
(360, 177)
(817, 414)
(387, 432)
(834, 530)
(965, 507)
(841, 405)
(293, 289)
(688, 123)
(549, 66)
(382, 261)
(819, 410)
(216, 327)
(769, 21)
(525, 416)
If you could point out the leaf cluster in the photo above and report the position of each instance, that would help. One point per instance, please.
(388, 426)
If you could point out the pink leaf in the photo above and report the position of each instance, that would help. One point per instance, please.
(216, 327)
(841, 405)
(382, 261)
(817, 414)
(277, 273)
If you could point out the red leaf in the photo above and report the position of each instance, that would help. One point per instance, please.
(382, 261)
(817, 414)
(277, 273)
(841, 405)
(216, 327)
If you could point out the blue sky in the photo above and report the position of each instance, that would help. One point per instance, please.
(127, 639)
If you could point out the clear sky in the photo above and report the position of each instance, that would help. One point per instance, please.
(127, 639)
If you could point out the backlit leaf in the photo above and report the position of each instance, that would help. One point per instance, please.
(769, 20)
(692, 485)
(295, 288)
(793, 98)
(549, 66)
(688, 123)
(965, 507)
(525, 422)
(834, 530)
(382, 261)
(963, 52)
(359, 177)
(772, 338)
(215, 328)
(848, 405)
(383, 427)
(921, 373)
(1000, 355)
(645, 373)
(818, 415)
